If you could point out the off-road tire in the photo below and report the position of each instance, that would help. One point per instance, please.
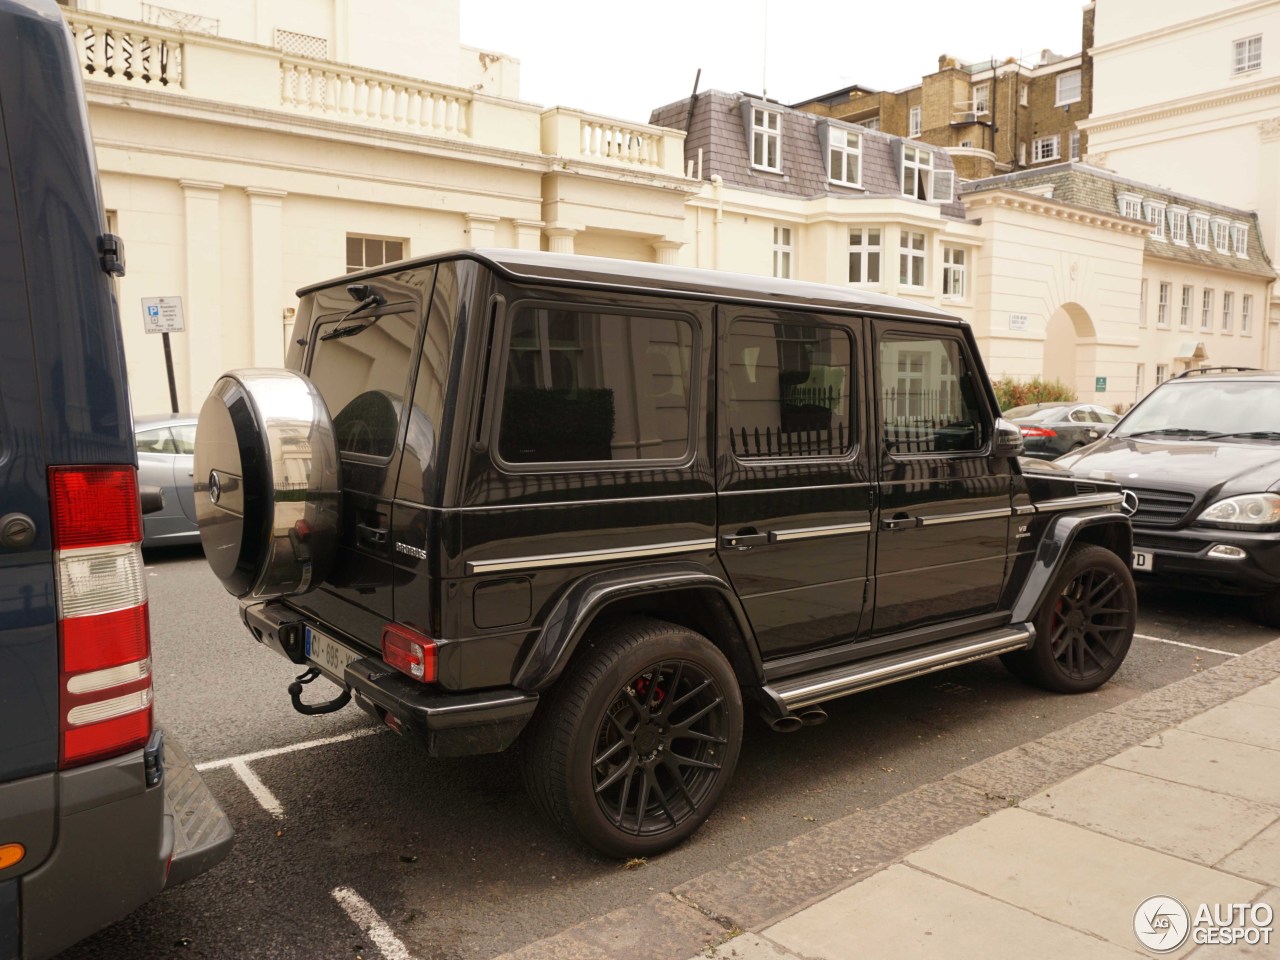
(1084, 627)
(608, 688)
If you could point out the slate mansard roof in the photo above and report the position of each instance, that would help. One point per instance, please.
(717, 129)
(1097, 189)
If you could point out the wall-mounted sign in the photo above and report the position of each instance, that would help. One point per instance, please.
(1100, 384)
(1018, 322)
(162, 315)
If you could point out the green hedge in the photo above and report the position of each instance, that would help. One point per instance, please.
(1017, 393)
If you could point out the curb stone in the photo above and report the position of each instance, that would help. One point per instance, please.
(772, 884)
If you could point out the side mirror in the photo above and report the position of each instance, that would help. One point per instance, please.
(1008, 440)
(152, 499)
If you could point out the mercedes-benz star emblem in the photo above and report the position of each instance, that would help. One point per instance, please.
(215, 486)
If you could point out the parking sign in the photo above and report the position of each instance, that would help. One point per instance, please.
(162, 315)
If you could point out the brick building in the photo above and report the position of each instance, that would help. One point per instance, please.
(993, 117)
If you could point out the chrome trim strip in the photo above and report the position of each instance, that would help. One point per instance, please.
(965, 517)
(1024, 510)
(831, 687)
(813, 533)
(588, 556)
(1075, 503)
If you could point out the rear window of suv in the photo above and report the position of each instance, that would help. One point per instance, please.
(590, 386)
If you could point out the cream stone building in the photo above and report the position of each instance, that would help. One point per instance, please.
(1187, 92)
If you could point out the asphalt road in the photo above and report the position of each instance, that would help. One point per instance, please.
(450, 855)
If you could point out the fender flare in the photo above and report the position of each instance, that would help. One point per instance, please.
(1058, 539)
(574, 612)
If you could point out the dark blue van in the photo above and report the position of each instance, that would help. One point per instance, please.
(97, 812)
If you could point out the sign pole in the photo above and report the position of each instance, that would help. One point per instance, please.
(168, 365)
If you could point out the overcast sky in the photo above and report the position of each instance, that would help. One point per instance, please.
(623, 59)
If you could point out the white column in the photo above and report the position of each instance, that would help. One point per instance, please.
(668, 251)
(202, 292)
(560, 239)
(266, 274)
(482, 230)
(529, 234)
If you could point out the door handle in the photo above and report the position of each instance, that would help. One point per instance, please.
(371, 536)
(900, 521)
(744, 538)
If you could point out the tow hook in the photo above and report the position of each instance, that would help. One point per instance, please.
(295, 694)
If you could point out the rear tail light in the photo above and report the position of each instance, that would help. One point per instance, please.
(1037, 432)
(410, 652)
(103, 629)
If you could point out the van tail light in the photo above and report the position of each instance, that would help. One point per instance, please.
(104, 633)
(1038, 432)
(410, 652)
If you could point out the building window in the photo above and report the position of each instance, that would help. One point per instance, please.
(953, 269)
(1073, 145)
(1068, 88)
(1240, 239)
(872, 123)
(913, 122)
(1184, 319)
(1142, 303)
(1044, 148)
(966, 143)
(1228, 301)
(864, 254)
(1154, 210)
(1206, 310)
(1246, 314)
(1130, 205)
(1162, 309)
(766, 139)
(982, 98)
(911, 259)
(1248, 55)
(1022, 95)
(1221, 235)
(782, 252)
(366, 252)
(845, 157)
(1178, 225)
(1200, 230)
(917, 172)
(1162, 373)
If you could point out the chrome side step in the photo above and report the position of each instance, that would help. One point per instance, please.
(795, 693)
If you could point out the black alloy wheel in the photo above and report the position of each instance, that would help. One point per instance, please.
(1084, 627)
(634, 746)
(660, 748)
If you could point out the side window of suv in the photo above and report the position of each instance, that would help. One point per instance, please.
(789, 386)
(929, 400)
(587, 386)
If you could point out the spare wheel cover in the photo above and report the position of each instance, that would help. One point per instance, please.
(267, 483)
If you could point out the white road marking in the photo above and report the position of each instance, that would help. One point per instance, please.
(259, 790)
(240, 766)
(1189, 646)
(291, 748)
(367, 919)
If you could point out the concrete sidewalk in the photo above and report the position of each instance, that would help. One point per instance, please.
(1047, 850)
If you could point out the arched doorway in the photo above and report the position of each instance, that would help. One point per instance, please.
(1069, 326)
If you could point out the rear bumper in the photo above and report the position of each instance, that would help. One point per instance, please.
(449, 724)
(119, 843)
(1182, 557)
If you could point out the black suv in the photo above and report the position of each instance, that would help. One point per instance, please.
(98, 812)
(595, 505)
(1202, 454)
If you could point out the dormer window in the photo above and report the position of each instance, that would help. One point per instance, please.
(1221, 234)
(917, 172)
(1240, 239)
(1200, 231)
(766, 140)
(1154, 210)
(1178, 225)
(1130, 205)
(844, 156)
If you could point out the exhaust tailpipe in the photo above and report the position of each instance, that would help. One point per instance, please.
(813, 716)
(788, 723)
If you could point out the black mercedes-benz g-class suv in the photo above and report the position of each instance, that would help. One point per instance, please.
(594, 505)
(98, 812)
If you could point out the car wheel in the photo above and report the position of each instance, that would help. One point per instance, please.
(634, 747)
(1266, 609)
(1084, 627)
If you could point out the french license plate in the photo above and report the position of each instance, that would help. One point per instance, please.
(328, 654)
(1143, 560)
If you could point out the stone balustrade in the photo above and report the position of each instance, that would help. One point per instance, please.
(579, 136)
(347, 93)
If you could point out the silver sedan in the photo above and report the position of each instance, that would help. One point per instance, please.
(166, 444)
